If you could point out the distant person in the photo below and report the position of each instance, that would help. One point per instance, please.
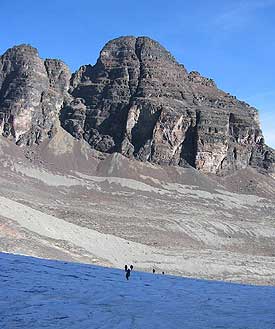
(131, 267)
(162, 272)
(125, 268)
(154, 271)
(128, 273)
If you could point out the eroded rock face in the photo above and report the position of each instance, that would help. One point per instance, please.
(139, 101)
(136, 100)
(32, 92)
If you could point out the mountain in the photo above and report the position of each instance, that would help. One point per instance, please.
(133, 160)
(136, 100)
(32, 92)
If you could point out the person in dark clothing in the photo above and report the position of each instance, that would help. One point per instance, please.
(128, 272)
(162, 272)
(126, 268)
(131, 267)
(154, 271)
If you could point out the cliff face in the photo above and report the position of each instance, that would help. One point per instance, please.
(139, 101)
(32, 92)
(136, 100)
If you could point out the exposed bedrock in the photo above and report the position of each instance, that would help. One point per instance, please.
(139, 101)
(136, 100)
(32, 92)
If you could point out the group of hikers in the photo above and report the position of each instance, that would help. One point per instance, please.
(129, 269)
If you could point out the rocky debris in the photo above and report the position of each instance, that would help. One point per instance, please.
(136, 100)
(32, 92)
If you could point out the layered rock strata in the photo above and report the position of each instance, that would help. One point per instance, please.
(136, 100)
(32, 92)
(139, 101)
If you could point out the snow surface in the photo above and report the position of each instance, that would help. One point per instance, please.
(38, 293)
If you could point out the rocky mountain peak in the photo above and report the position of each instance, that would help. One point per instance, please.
(136, 100)
(32, 92)
(21, 50)
(142, 47)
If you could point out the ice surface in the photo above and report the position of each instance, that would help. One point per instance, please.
(38, 293)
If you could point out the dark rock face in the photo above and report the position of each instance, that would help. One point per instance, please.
(32, 92)
(139, 101)
(136, 100)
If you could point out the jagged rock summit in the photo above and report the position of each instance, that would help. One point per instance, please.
(136, 100)
(32, 92)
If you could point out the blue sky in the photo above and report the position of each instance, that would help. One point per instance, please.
(231, 41)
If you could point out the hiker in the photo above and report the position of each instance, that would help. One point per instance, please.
(162, 272)
(128, 272)
(154, 271)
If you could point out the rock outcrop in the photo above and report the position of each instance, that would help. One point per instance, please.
(139, 101)
(136, 100)
(32, 92)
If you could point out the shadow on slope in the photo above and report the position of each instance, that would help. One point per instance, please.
(39, 293)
